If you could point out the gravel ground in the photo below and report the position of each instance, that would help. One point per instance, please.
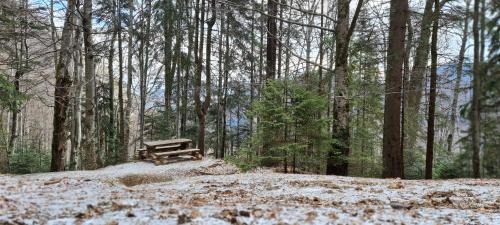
(212, 192)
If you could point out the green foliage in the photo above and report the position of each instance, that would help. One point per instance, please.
(27, 157)
(10, 98)
(246, 159)
(290, 130)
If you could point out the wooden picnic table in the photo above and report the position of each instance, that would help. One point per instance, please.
(161, 150)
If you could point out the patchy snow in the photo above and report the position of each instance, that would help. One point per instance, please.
(212, 192)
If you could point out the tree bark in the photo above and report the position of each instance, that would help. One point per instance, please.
(476, 92)
(432, 95)
(416, 83)
(130, 69)
(76, 133)
(90, 158)
(272, 10)
(337, 162)
(202, 108)
(61, 92)
(392, 157)
(458, 79)
(123, 155)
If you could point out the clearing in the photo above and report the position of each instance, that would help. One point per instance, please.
(213, 192)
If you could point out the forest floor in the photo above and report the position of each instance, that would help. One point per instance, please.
(213, 192)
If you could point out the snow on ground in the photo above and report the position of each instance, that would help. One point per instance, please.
(212, 192)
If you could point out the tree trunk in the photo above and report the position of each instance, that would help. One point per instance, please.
(122, 157)
(272, 10)
(76, 133)
(458, 79)
(202, 109)
(61, 92)
(111, 83)
(336, 163)
(432, 95)
(89, 159)
(220, 145)
(476, 93)
(130, 69)
(392, 157)
(416, 83)
(168, 32)
(337, 159)
(225, 94)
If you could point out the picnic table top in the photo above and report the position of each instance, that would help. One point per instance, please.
(166, 142)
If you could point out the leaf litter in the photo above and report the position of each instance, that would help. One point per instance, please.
(213, 192)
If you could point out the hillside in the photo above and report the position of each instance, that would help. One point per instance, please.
(212, 192)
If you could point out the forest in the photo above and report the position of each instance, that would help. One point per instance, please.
(380, 89)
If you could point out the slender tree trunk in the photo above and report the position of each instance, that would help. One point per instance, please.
(392, 157)
(432, 95)
(225, 93)
(321, 52)
(188, 65)
(76, 133)
(61, 93)
(53, 31)
(458, 79)
(111, 83)
(130, 69)
(220, 145)
(476, 92)
(280, 45)
(416, 83)
(168, 32)
(272, 10)
(202, 109)
(89, 159)
(404, 94)
(122, 157)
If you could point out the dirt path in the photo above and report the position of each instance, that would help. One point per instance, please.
(212, 192)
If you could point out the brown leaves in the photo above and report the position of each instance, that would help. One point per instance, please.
(396, 185)
(92, 211)
(198, 201)
(53, 181)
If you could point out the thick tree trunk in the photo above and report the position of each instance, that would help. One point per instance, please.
(458, 79)
(476, 92)
(61, 93)
(337, 161)
(90, 158)
(392, 155)
(432, 95)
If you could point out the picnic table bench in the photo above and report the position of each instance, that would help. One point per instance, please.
(163, 151)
